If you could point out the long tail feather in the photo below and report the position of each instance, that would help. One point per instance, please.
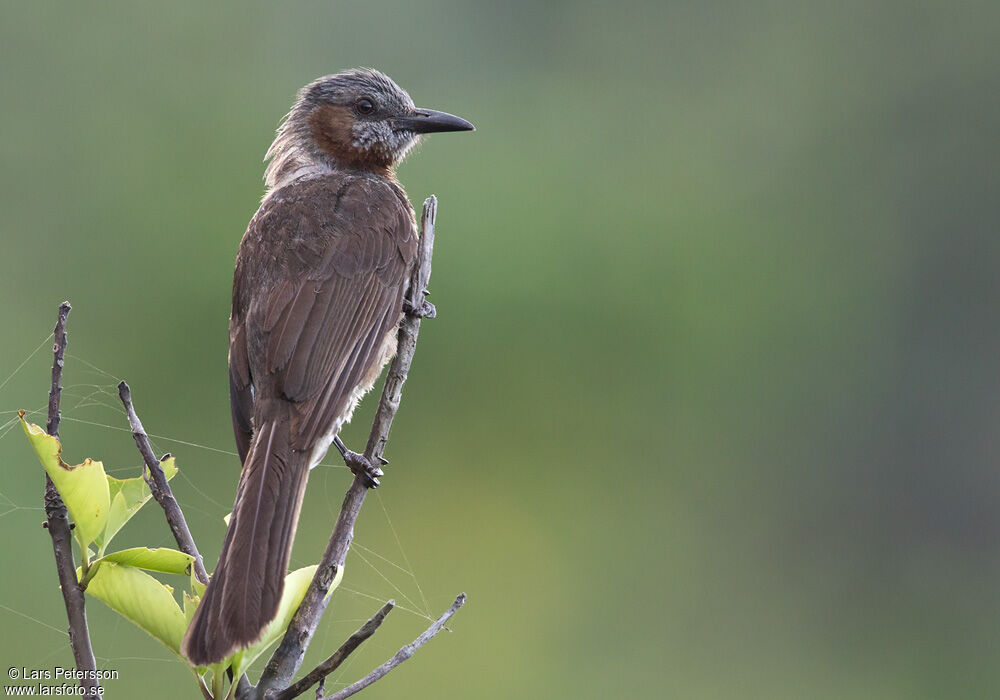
(243, 595)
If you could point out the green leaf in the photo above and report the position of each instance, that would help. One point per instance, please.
(83, 488)
(142, 600)
(163, 559)
(197, 587)
(296, 584)
(127, 497)
(190, 605)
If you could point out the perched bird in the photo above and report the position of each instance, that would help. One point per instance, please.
(318, 295)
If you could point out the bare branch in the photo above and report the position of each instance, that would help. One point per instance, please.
(57, 523)
(401, 655)
(338, 657)
(160, 488)
(58, 361)
(288, 656)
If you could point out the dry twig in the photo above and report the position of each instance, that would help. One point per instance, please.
(318, 674)
(57, 523)
(401, 655)
(157, 480)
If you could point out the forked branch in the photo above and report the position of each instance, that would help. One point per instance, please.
(331, 664)
(401, 655)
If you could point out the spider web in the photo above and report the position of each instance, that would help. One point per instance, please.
(95, 403)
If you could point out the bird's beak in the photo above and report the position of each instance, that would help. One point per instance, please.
(428, 121)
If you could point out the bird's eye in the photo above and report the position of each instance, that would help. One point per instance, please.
(364, 106)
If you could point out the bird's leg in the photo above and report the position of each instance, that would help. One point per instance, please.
(359, 464)
(426, 310)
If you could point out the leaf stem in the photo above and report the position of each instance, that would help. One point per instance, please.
(218, 682)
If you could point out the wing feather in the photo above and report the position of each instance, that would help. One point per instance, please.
(240, 390)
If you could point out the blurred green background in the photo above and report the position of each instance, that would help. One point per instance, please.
(711, 406)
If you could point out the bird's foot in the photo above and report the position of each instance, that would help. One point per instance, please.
(360, 465)
(426, 310)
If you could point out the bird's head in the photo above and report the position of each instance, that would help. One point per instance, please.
(357, 119)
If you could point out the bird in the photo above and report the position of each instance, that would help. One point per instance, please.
(319, 291)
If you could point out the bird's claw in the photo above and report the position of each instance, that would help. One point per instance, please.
(426, 310)
(362, 466)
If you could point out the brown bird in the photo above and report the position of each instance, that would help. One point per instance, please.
(318, 295)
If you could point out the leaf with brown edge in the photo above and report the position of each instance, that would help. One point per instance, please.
(83, 487)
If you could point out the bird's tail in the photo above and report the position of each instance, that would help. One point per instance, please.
(243, 595)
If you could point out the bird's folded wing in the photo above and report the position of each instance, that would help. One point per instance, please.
(321, 323)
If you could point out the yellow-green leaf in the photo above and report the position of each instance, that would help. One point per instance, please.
(190, 605)
(197, 587)
(127, 497)
(83, 488)
(141, 599)
(169, 466)
(162, 559)
(296, 584)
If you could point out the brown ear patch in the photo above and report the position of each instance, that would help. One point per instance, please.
(331, 127)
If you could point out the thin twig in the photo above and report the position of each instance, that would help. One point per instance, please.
(401, 655)
(287, 658)
(160, 488)
(58, 361)
(57, 524)
(338, 657)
